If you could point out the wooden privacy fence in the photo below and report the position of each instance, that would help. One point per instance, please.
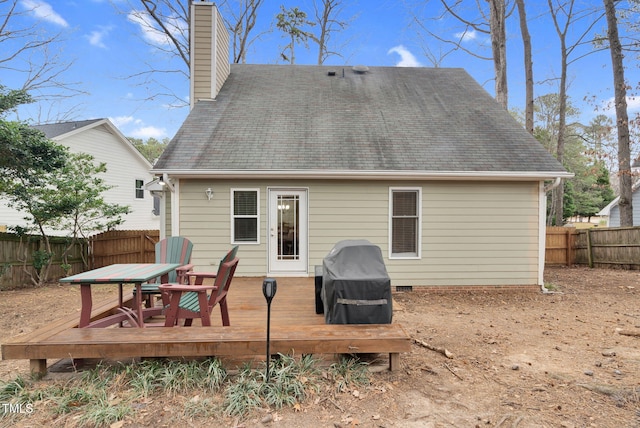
(17, 259)
(613, 247)
(122, 246)
(560, 246)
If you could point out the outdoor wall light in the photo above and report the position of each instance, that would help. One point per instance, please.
(269, 288)
(163, 180)
(209, 193)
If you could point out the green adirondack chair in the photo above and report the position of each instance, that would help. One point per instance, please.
(174, 249)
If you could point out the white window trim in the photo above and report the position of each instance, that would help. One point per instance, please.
(419, 202)
(141, 188)
(232, 214)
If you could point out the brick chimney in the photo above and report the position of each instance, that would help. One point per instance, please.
(209, 45)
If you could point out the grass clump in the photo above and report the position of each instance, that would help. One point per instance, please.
(291, 381)
(243, 395)
(109, 394)
(349, 372)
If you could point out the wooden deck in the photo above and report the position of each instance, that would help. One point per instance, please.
(295, 328)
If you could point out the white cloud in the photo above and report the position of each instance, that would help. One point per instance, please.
(407, 59)
(633, 103)
(43, 10)
(466, 36)
(96, 38)
(150, 30)
(145, 132)
(121, 120)
(609, 106)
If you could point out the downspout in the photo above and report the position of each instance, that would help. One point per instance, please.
(553, 185)
(547, 189)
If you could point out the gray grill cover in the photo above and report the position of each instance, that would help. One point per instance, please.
(356, 288)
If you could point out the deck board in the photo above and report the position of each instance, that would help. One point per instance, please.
(295, 327)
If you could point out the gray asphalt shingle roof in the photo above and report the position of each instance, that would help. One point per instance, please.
(288, 117)
(52, 130)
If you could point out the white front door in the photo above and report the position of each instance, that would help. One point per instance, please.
(288, 231)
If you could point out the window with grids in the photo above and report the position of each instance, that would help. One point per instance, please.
(139, 189)
(245, 216)
(405, 223)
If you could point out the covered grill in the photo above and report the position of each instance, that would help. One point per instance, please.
(356, 288)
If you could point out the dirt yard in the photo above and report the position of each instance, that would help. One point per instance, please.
(564, 359)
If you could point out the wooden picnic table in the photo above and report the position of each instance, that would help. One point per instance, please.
(133, 273)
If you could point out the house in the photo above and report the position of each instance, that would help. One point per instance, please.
(127, 170)
(287, 160)
(612, 211)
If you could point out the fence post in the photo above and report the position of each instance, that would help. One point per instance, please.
(142, 246)
(589, 249)
(570, 246)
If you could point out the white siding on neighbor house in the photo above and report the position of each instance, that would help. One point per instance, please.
(124, 167)
(614, 214)
(473, 233)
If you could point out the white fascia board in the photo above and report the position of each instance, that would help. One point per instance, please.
(366, 175)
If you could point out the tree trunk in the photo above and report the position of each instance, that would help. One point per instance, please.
(499, 49)
(322, 40)
(622, 119)
(562, 109)
(528, 66)
(562, 125)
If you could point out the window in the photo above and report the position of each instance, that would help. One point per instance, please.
(405, 222)
(156, 205)
(139, 189)
(245, 218)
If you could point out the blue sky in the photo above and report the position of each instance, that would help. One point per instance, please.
(107, 46)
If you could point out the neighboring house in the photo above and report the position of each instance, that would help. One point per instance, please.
(612, 211)
(127, 170)
(288, 160)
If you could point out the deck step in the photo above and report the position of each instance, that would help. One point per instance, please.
(117, 343)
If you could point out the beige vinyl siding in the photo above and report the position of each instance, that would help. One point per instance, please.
(473, 233)
(202, 60)
(167, 214)
(223, 68)
(480, 233)
(210, 49)
(207, 223)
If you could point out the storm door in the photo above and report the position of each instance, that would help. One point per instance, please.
(287, 231)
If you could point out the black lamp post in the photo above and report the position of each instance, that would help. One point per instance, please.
(269, 287)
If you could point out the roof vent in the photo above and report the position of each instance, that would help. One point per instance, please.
(360, 69)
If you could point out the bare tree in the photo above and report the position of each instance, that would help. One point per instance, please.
(36, 57)
(328, 22)
(170, 20)
(165, 26)
(497, 24)
(491, 23)
(622, 119)
(528, 66)
(564, 18)
(240, 17)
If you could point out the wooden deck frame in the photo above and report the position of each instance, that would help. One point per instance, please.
(295, 328)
